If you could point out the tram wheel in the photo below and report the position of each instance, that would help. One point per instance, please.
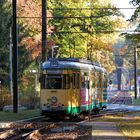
(81, 117)
(96, 110)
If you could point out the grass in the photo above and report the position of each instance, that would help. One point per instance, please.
(7, 116)
(136, 102)
(130, 127)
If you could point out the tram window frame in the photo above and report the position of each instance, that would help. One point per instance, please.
(83, 84)
(93, 80)
(57, 81)
(66, 81)
(104, 81)
(75, 80)
(87, 84)
(78, 80)
(64, 84)
(99, 80)
(95, 85)
(42, 81)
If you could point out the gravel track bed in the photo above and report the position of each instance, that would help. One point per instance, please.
(62, 132)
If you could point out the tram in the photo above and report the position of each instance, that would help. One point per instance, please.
(72, 86)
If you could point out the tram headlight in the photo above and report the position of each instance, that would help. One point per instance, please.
(54, 99)
(48, 105)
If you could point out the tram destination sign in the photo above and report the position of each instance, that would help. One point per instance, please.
(54, 71)
(54, 63)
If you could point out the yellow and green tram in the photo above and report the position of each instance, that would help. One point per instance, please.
(72, 86)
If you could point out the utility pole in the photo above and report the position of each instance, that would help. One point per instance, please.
(135, 71)
(44, 39)
(14, 37)
(10, 61)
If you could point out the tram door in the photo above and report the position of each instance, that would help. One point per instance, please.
(75, 89)
(85, 93)
(95, 90)
(99, 89)
(104, 89)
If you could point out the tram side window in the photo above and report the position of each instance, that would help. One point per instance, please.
(75, 80)
(99, 80)
(42, 80)
(94, 83)
(66, 81)
(105, 82)
(84, 82)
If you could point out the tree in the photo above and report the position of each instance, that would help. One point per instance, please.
(78, 32)
(83, 26)
(31, 22)
(134, 38)
(5, 23)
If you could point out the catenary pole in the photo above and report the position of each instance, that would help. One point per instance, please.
(14, 58)
(11, 70)
(44, 39)
(135, 71)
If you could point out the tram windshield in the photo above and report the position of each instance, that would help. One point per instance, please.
(57, 81)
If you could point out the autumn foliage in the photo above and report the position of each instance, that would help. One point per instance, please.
(92, 44)
(29, 14)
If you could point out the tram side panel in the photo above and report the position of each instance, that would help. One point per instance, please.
(75, 90)
(100, 86)
(99, 91)
(93, 90)
(105, 81)
(86, 92)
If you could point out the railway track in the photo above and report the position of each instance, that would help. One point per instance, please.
(34, 129)
(121, 98)
(19, 131)
(46, 128)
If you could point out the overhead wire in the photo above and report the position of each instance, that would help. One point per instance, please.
(82, 17)
(105, 8)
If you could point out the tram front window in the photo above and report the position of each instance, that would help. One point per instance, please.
(53, 83)
(57, 82)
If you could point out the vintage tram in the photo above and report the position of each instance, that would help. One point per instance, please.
(72, 86)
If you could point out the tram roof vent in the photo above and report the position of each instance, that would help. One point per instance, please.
(96, 64)
(81, 60)
(74, 60)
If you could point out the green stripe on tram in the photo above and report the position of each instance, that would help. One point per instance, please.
(73, 110)
(77, 110)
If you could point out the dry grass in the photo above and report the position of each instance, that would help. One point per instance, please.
(130, 127)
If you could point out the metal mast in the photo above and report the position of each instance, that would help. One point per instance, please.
(14, 37)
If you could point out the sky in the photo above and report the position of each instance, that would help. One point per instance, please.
(124, 4)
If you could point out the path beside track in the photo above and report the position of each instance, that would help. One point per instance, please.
(106, 131)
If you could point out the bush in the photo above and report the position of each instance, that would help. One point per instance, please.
(29, 101)
(5, 97)
(136, 101)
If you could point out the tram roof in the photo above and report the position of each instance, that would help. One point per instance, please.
(71, 63)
